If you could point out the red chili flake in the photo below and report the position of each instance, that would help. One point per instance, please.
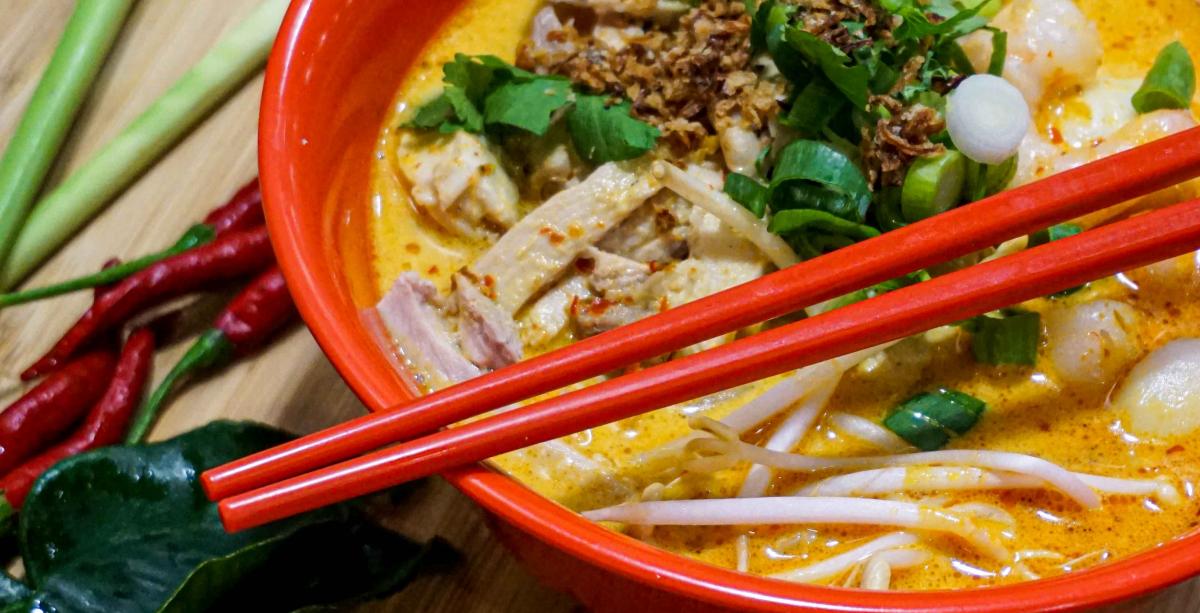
(585, 265)
(433, 270)
(653, 266)
(598, 306)
(1176, 449)
(1056, 137)
(554, 236)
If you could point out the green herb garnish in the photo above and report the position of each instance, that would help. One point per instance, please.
(747, 192)
(527, 106)
(866, 294)
(1171, 82)
(486, 94)
(933, 185)
(1053, 233)
(928, 421)
(808, 163)
(605, 133)
(1007, 339)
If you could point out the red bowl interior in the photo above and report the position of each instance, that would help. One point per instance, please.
(331, 77)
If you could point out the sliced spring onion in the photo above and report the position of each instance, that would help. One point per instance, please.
(887, 211)
(809, 162)
(86, 192)
(747, 192)
(1009, 339)
(987, 118)
(987, 8)
(77, 59)
(1053, 233)
(985, 180)
(796, 220)
(1171, 82)
(929, 420)
(999, 48)
(933, 185)
(870, 292)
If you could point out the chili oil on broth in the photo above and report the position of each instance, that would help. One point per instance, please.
(403, 240)
(1029, 411)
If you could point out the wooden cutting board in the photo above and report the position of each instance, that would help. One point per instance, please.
(290, 384)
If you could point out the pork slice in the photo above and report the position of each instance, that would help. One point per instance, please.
(418, 328)
(488, 334)
(536, 251)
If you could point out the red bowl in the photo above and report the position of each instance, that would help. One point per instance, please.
(332, 75)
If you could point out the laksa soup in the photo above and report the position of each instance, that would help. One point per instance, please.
(553, 170)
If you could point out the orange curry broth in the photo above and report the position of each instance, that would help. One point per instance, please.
(1028, 412)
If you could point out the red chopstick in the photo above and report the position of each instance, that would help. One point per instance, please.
(943, 300)
(961, 231)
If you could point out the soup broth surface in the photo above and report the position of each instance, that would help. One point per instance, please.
(1031, 410)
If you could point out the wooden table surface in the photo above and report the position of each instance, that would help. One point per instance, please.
(291, 384)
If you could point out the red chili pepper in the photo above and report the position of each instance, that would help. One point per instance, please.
(231, 256)
(261, 309)
(243, 211)
(99, 290)
(104, 425)
(42, 415)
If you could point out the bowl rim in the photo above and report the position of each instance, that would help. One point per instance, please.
(316, 298)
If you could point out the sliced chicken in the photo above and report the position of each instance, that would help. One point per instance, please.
(653, 233)
(536, 251)
(459, 182)
(619, 284)
(545, 318)
(718, 259)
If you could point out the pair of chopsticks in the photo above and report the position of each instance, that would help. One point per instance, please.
(272, 484)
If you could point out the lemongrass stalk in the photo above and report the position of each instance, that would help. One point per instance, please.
(239, 54)
(81, 52)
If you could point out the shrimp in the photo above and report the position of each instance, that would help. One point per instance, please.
(1139, 131)
(1051, 46)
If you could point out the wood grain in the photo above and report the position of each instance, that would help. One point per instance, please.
(290, 384)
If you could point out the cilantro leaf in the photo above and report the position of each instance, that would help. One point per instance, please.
(479, 75)
(447, 113)
(527, 106)
(433, 114)
(604, 133)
